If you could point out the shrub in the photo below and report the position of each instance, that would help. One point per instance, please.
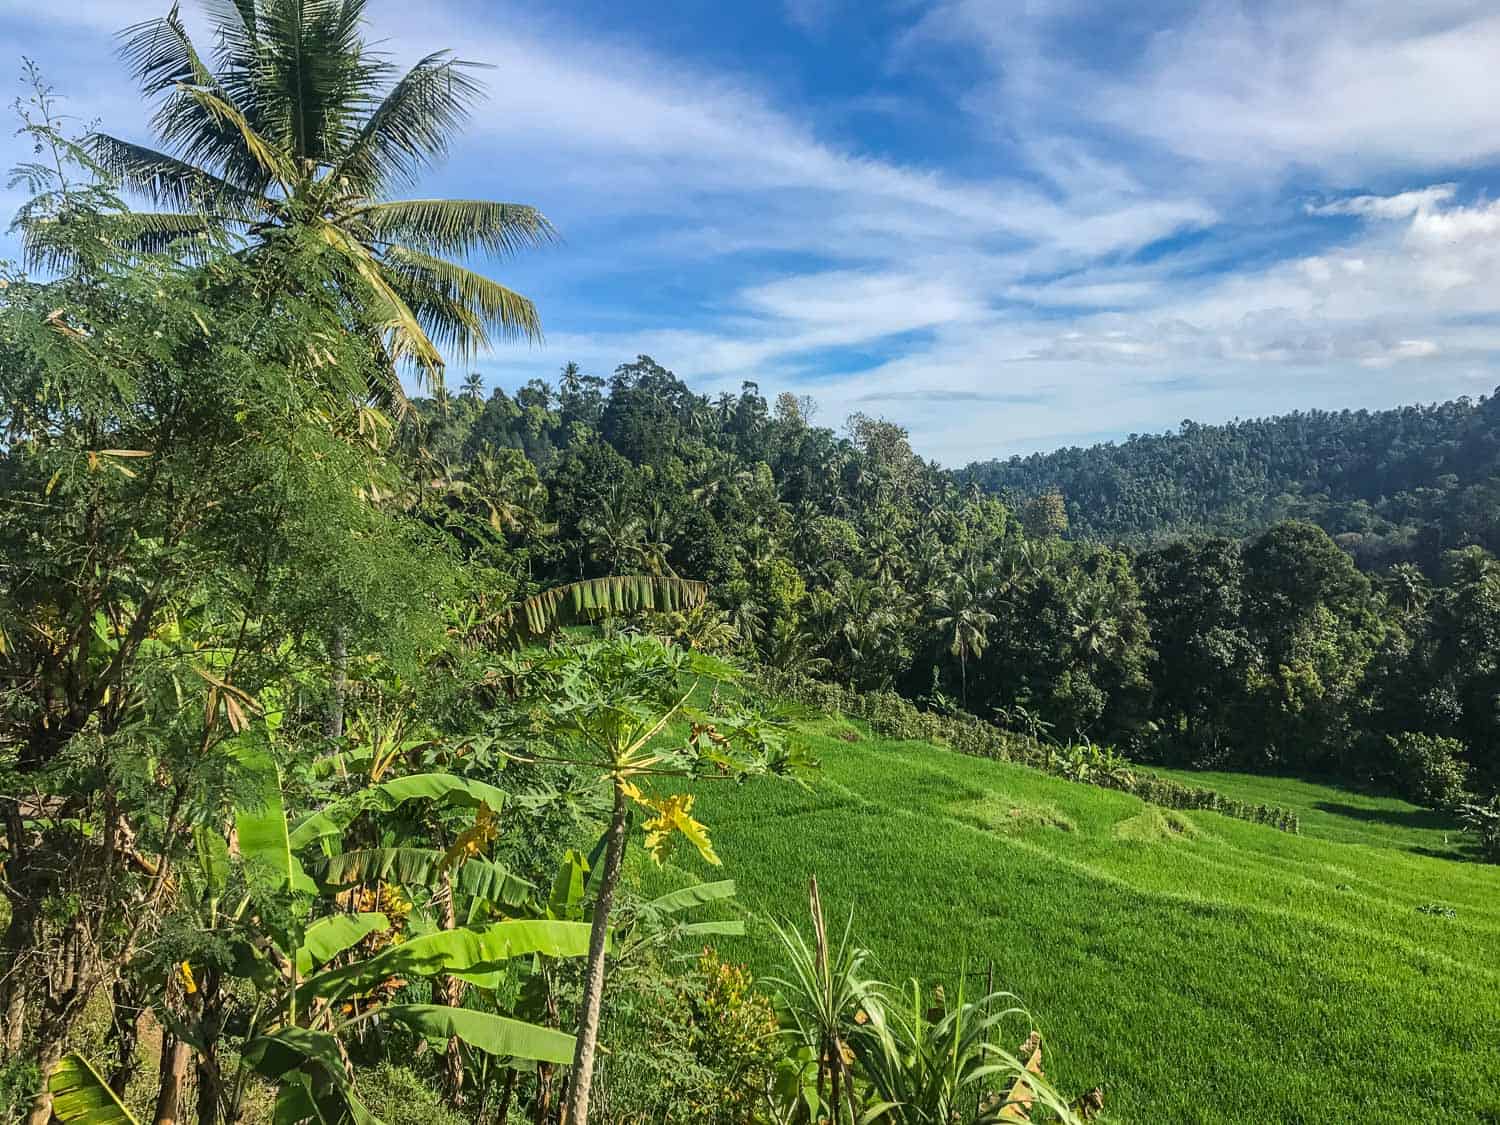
(400, 1096)
(695, 1047)
(1429, 769)
(1484, 822)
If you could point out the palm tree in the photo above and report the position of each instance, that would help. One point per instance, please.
(473, 388)
(885, 556)
(960, 612)
(614, 533)
(299, 124)
(508, 488)
(794, 649)
(1095, 622)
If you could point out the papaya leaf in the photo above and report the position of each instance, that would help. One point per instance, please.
(80, 1096)
(673, 814)
(495, 1035)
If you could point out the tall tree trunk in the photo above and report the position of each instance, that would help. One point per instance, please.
(60, 1010)
(49, 1054)
(545, 1071)
(453, 993)
(593, 978)
(338, 657)
(174, 1068)
(18, 940)
(507, 1091)
(210, 1028)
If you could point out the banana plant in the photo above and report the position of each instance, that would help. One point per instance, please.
(590, 600)
(81, 1097)
(322, 976)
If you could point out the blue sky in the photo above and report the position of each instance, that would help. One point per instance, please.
(1007, 225)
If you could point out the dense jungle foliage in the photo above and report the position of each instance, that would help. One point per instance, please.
(309, 814)
(848, 557)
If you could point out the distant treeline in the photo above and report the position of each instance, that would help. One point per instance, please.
(1400, 485)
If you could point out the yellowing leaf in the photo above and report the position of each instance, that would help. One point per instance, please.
(674, 814)
(471, 841)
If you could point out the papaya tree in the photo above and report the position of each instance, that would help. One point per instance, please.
(625, 708)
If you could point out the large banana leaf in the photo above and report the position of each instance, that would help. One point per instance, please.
(80, 1096)
(328, 937)
(566, 900)
(455, 952)
(696, 895)
(495, 1035)
(580, 603)
(284, 1056)
(332, 821)
(261, 829)
(212, 852)
(661, 909)
(477, 878)
(726, 927)
(287, 1049)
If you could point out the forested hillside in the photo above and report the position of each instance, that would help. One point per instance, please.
(1390, 485)
(849, 558)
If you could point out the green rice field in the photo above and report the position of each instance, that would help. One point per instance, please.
(1200, 969)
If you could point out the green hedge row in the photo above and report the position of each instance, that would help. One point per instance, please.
(893, 716)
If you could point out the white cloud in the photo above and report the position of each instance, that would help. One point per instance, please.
(1400, 206)
(1342, 86)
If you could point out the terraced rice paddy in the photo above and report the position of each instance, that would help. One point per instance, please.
(1202, 969)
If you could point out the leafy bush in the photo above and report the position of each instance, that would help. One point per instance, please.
(1429, 769)
(696, 1047)
(1484, 822)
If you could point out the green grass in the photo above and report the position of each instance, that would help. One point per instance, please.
(1331, 812)
(1201, 968)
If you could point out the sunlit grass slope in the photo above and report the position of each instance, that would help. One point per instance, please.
(1200, 968)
